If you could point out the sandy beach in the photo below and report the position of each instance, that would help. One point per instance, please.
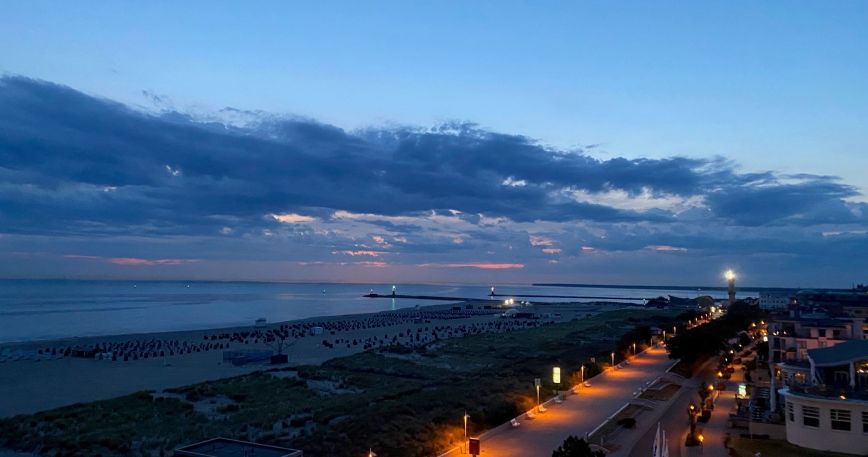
(31, 381)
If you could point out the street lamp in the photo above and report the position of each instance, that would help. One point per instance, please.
(537, 382)
(613, 359)
(465, 427)
(583, 374)
(634, 349)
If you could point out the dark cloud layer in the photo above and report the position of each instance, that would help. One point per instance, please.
(80, 166)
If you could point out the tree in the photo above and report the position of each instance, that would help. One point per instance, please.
(576, 447)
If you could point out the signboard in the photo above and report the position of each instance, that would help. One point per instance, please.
(473, 446)
(537, 382)
(556, 375)
(742, 391)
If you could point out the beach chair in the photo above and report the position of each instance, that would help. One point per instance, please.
(514, 423)
(530, 416)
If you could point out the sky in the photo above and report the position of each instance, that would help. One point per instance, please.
(511, 142)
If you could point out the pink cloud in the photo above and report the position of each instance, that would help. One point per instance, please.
(374, 264)
(84, 257)
(138, 261)
(292, 218)
(541, 241)
(358, 253)
(483, 266)
(665, 248)
(551, 251)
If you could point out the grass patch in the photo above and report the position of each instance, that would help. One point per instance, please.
(662, 394)
(605, 433)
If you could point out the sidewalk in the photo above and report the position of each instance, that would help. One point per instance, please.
(578, 414)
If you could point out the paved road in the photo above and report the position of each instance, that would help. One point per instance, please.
(676, 424)
(579, 414)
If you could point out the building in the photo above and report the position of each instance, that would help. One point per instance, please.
(772, 300)
(225, 447)
(829, 410)
(791, 337)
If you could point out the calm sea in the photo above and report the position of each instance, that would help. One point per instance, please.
(48, 309)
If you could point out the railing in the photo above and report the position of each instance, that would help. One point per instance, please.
(830, 392)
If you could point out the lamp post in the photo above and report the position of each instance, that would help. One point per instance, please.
(465, 427)
(583, 374)
(536, 383)
(613, 359)
(691, 414)
(634, 349)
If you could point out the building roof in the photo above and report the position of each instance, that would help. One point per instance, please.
(840, 353)
(225, 447)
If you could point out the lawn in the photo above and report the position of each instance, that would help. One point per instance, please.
(662, 394)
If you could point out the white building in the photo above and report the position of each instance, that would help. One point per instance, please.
(830, 411)
(774, 300)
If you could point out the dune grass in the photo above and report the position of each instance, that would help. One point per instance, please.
(403, 403)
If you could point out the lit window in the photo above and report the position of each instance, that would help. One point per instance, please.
(840, 419)
(791, 414)
(811, 416)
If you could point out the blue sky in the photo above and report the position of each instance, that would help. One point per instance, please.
(748, 95)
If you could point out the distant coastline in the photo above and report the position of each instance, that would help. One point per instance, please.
(688, 288)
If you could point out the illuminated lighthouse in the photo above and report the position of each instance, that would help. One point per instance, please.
(730, 285)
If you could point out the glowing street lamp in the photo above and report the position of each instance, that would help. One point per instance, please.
(613, 359)
(583, 374)
(536, 383)
(465, 427)
(634, 349)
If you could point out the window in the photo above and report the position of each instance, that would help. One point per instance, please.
(791, 414)
(864, 421)
(822, 333)
(840, 419)
(810, 416)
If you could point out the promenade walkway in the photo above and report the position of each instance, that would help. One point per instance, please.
(578, 414)
(674, 419)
